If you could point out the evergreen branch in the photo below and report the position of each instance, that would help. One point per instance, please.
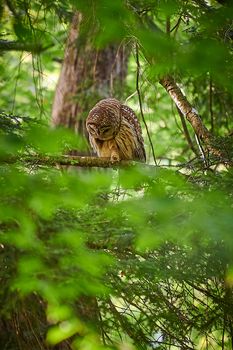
(6, 45)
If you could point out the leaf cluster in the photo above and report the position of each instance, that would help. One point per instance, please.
(135, 256)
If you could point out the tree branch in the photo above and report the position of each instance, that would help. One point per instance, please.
(67, 160)
(186, 133)
(140, 104)
(186, 108)
(192, 116)
(6, 45)
(78, 161)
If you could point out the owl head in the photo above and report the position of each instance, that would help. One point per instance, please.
(104, 120)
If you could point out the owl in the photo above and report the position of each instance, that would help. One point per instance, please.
(114, 131)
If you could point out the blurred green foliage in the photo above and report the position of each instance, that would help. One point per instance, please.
(149, 247)
(131, 258)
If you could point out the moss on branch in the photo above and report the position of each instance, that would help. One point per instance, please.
(67, 160)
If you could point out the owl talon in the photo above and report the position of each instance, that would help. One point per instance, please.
(115, 158)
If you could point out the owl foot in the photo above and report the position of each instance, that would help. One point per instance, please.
(115, 158)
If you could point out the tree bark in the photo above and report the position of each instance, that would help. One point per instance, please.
(87, 75)
(185, 107)
(191, 114)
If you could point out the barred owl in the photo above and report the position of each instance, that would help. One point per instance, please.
(114, 131)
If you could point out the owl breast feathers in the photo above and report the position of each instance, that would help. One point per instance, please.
(114, 131)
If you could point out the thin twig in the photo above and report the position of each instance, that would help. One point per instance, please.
(211, 104)
(168, 25)
(202, 152)
(223, 331)
(140, 104)
(186, 132)
(176, 26)
(120, 48)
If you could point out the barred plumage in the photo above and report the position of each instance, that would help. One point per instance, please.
(114, 131)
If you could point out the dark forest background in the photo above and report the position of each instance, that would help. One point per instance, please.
(116, 256)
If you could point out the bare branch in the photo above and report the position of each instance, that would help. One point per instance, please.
(191, 114)
(186, 133)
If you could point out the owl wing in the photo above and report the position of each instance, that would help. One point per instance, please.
(130, 116)
(94, 145)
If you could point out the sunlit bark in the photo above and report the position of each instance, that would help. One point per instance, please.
(191, 114)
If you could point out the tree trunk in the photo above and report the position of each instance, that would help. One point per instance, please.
(87, 75)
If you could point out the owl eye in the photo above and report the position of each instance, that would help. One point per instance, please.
(105, 129)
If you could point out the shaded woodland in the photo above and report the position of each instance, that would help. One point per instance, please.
(102, 255)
